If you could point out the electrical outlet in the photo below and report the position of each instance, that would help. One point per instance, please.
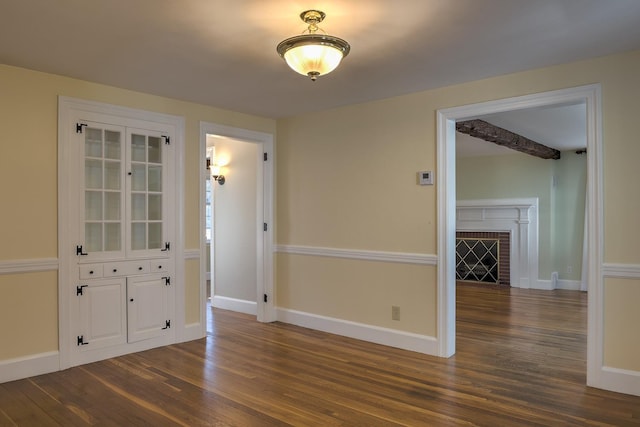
(395, 312)
(569, 269)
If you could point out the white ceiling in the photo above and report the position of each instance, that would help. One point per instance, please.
(222, 52)
(563, 127)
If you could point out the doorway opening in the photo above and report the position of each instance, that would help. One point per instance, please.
(446, 143)
(236, 229)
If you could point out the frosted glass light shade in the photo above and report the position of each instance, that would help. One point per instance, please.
(313, 55)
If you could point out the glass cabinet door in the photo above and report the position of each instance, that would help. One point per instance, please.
(147, 191)
(103, 189)
(123, 192)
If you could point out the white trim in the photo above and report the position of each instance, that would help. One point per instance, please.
(446, 195)
(399, 257)
(28, 265)
(266, 184)
(620, 380)
(569, 285)
(555, 283)
(29, 366)
(179, 231)
(233, 304)
(385, 336)
(191, 254)
(446, 202)
(203, 276)
(544, 285)
(623, 271)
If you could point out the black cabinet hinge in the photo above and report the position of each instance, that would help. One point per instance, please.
(167, 324)
(266, 298)
(266, 156)
(79, 251)
(265, 227)
(81, 340)
(167, 139)
(79, 289)
(167, 281)
(167, 246)
(79, 127)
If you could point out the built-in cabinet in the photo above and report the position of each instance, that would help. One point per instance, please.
(121, 267)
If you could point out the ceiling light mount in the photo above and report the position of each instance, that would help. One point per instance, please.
(313, 54)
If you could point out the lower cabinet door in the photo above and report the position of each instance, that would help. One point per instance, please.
(147, 307)
(103, 317)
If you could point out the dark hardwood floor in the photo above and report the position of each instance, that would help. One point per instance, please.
(520, 361)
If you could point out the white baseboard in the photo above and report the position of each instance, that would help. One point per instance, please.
(619, 380)
(569, 285)
(544, 285)
(233, 304)
(29, 366)
(385, 336)
(555, 283)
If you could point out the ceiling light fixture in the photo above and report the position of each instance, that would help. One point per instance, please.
(312, 54)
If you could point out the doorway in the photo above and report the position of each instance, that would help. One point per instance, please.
(447, 207)
(243, 202)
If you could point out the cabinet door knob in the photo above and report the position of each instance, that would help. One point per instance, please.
(91, 272)
(139, 268)
(115, 270)
(131, 300)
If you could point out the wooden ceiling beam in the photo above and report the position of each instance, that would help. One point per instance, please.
(485, 130)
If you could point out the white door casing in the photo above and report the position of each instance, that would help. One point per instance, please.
(446, 198)
(264, 203)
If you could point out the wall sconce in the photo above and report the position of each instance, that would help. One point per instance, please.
(216, 172)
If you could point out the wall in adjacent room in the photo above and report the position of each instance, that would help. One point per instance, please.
(559, 186)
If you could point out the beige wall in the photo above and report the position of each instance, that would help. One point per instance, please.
(28, 314)
(358, 291)
(235, 221)
(622, 317)
(28, 184)
(350, 183)
(192, 292)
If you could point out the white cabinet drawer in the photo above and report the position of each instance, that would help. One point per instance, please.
(159, 266)
(90, 271)
(127, 268)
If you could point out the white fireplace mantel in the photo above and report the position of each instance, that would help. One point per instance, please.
(519, 217)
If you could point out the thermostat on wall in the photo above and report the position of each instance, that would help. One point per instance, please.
(425, 178)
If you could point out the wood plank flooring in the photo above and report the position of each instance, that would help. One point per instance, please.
(520, 361)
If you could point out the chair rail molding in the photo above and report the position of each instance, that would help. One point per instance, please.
(360, 254)
(18, 266)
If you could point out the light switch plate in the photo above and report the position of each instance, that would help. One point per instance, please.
(425, 178)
